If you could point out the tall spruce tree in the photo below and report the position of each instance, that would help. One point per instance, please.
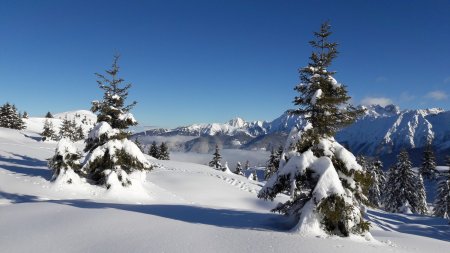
(272, 164)
(154, 150)
(428, 169)
(442, 201)
(112, 108)
(215, 162)
(404, 188)
(163, 153)
(378, 180)
(66, 130)
(48, 132)
(111, 156)
(324, 103)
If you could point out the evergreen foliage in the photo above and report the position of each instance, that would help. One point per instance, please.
(238, 170)
(49, 115)
(154, 151)
(10, 118)
(428, 169)
(404, 188)
(215, 162)
(49, 132)
(378, 180)
(321, 100)
(112, 108)
(442, 201)
(25, 115)
(163, 153)
(66, 158)
(272, 164)
(111, 156)
(324, 103)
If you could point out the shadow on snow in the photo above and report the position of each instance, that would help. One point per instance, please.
(426, 226)
(26, 165)
(192, 214)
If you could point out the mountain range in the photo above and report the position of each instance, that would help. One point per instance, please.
(382, 131)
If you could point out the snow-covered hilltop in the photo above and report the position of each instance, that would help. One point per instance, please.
(85, 118)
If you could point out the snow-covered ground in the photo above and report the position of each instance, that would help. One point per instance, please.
(183, 207)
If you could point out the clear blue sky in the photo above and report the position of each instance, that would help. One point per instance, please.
(209, 61)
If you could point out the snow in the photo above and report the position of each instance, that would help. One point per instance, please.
(317, 95)
(181, 207)
(100, 129)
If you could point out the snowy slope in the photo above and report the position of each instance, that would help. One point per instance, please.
(82, 117)
(185, 207)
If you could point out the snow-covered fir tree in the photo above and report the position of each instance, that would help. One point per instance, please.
(67, 130)
(10, 118)
(238, 170)
(255, 175)
(154, 151)
(428, 169)
(66, 162)
(442, 201)
(272, 164)
(323, 178)
(111, 156)
(378, 180)
(112, 108)
(215, 162)
(163, 152)
(48, 132)
(49, 115)
(25, 115)
(404, 188)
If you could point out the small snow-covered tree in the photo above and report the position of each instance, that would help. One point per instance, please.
(154, 151)
(111, 156)
(428, 169)
(272, 165)
(48, 132)
(215, 162)
(163, 153)
(66, 130)
(322, 177)
(49, 115)
(66, 162)
(25, 115)
(404, 188)
(255, 175)
(442, 201)
(238, 170)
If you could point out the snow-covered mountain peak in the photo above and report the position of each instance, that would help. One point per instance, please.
(381, 111)
(237, 122)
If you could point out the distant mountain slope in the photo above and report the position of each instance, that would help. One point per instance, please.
(382, 131)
